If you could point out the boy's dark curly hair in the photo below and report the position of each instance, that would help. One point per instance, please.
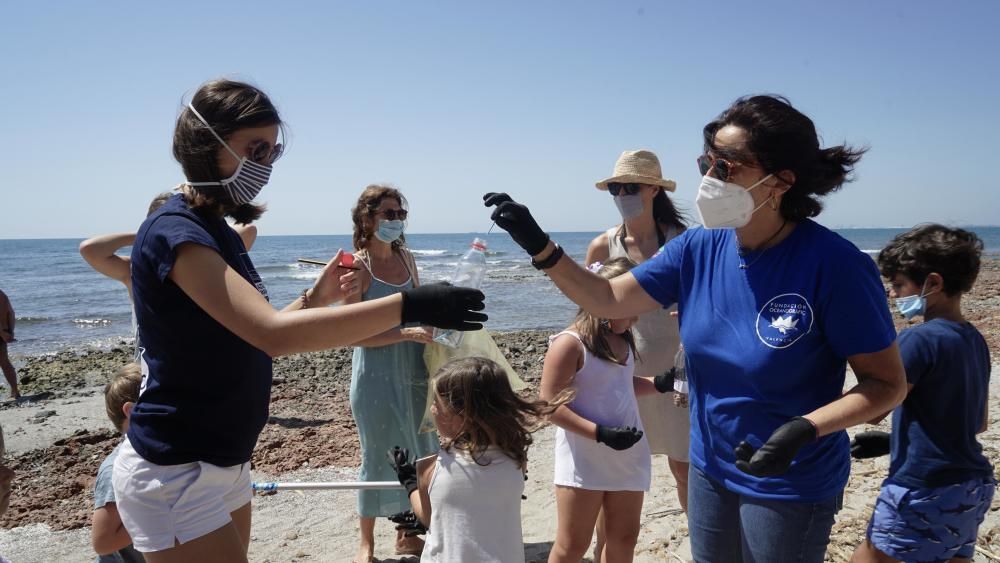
(952, 253)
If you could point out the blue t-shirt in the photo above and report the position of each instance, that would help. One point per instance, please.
(205, 391)
(768, 343)
(934, 430)
(103, 494)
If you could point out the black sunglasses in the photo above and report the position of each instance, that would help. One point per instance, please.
(616, 188)
(264, 153)
(393, 214)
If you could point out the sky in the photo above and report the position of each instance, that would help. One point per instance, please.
(449, 100)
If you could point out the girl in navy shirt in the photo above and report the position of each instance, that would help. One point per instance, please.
(208, 334)
(772, 308)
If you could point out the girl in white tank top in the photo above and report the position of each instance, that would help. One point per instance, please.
(602, 458)
(468, 494)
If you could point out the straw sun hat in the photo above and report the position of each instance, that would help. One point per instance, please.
(641, 167)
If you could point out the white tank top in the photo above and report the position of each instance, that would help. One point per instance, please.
(475, 509)
(604, 395)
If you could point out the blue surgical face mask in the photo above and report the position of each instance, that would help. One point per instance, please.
(912, 305)
(389, 231)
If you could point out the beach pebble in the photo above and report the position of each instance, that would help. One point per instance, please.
(291, 535)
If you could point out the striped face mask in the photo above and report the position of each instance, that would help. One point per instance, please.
(249, 178)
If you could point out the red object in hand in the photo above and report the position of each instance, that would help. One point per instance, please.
(347, 260)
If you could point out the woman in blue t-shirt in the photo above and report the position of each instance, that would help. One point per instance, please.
(772, 308)
(208, 334)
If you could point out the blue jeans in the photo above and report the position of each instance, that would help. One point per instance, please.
(727, 527)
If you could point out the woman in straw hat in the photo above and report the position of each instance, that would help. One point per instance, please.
(649, 220)
(773, 307)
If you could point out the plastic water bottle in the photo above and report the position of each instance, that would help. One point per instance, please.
(469, 273)
(680, 379)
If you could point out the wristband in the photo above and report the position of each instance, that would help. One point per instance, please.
(550, 261)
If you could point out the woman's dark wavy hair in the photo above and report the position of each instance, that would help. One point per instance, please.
(780, 137)
(228, 106)
(954, 254)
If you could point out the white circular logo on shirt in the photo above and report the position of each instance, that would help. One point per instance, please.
(783, 320)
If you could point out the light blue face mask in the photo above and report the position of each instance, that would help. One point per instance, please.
(912, 305)
(629, 205)
(389, 231)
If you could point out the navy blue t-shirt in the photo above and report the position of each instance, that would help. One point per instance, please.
(934, 430)
(768, 343)
(205, 391)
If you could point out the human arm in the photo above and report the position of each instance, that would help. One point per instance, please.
(597, 251)
(618, 298)
(653, 385)
(7, 318)
(421, 500)
(99, 252)
(228, 298)
(334, 284)
(107, 533)
(248, 234)
(562, 361)
(986, 417)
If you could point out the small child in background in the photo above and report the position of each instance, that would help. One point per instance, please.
(108, 535)
(475, 481)
(939, 485)
(602, 460)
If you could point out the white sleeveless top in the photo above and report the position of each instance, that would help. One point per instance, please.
(475, 509)
(604, 395)
(657, 338)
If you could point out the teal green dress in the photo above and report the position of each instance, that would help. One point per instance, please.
(388, 396)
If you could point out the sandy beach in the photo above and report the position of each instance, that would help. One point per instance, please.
(55, 444)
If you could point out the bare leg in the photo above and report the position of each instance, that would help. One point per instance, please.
(241, 519)
(622, 510)
(8, 371)
(577, 511)
(366, 550)
(221, 546)
(680, 471)
(599, 548)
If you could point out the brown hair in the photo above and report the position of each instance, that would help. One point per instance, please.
(123, 388)
(479, 391)
(589, 326)
(157, 202)
(954, 254)
(363, 214)
(227, 106)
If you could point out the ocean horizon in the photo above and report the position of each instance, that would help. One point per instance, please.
(61, 303)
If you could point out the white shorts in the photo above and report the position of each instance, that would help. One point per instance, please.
(161, 503)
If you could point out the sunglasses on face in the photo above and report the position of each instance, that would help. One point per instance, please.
(264, 153)
(615, 188)
(393, 214)
(719, 167)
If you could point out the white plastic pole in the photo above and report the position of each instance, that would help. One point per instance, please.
(333, 486)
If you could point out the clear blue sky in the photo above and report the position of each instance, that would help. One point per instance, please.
(448, 100)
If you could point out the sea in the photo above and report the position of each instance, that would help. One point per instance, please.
(61, 303)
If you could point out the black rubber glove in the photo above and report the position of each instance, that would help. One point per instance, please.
(517, 220)
(444, 306)
(775, 456)
(873, 443)
(619, 437)
(665, 381)
(408, 523)
(406, 472)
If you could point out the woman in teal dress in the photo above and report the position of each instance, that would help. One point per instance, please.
(388, 377)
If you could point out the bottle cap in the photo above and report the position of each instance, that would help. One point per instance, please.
(479, 244)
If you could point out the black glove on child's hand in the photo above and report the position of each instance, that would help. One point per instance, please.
(665, 381)
(444, 306)
(873, 443)
(406, 472)
(618, 437)
(408, 523)
(517, 220)
(775, 456)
